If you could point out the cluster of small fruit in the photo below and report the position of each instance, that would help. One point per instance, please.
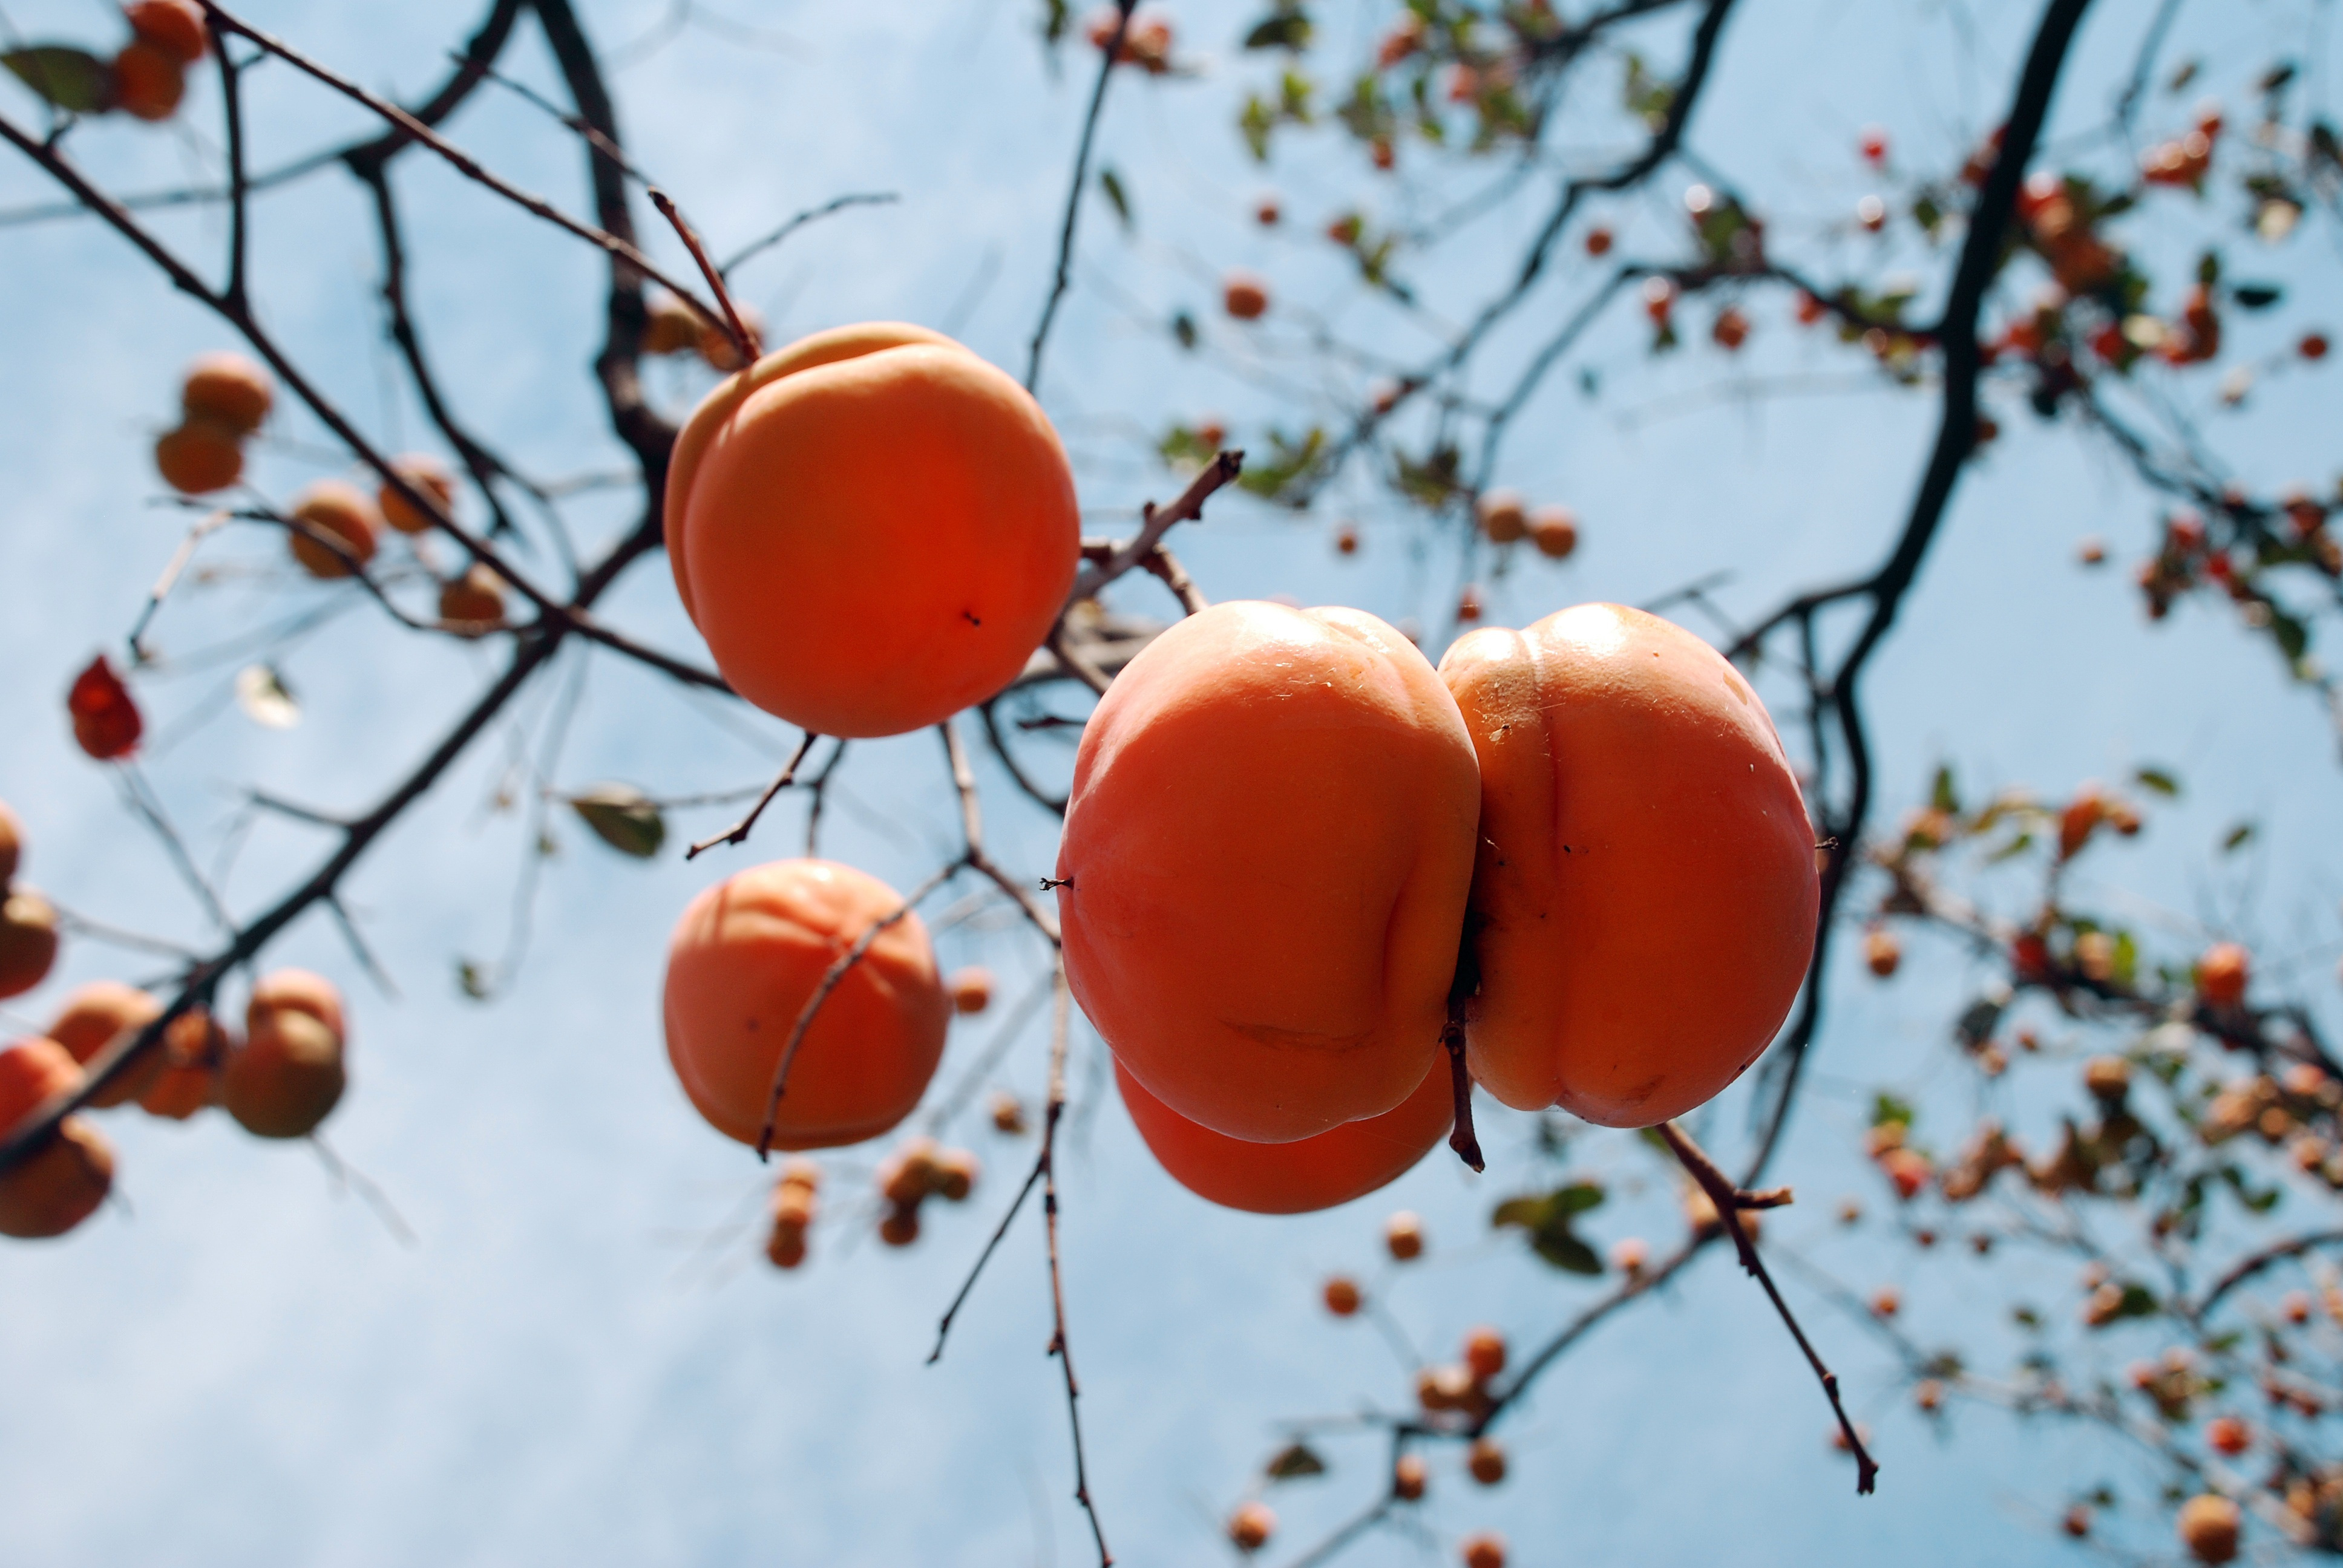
(149, 76)
(281, 1079)
(912, 1174)
(223, 401)
(1146, 40)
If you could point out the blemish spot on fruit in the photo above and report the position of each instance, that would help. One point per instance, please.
(970, 615)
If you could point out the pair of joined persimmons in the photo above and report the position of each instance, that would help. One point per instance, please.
(1286, 826)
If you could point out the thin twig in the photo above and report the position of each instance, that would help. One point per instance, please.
(744, 341)
(739, 832)
(1063, 277)
(1059, 1346)
(959, 1297)
(1727, 1199)
(836, 204)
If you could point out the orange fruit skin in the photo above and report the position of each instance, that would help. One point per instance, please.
(28, 941)
(1646, 896)
(1305, 1175)
(744, 959)
(174, 26)
(12, 844)
(343, 511)
(1266, 856)
(94, 1016)
(198, 457)
(427, 475)
(194, 1047)
(872, 528)
(229, 389)
(61, 1185)
(149, 81)
(297, 991)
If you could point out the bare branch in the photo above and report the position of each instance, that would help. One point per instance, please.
(739, 832)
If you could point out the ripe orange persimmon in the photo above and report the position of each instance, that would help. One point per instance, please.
(474, 603)
(1646, 898)
(746, 957)
(194, 1048)
(227, 389)
(1244, 295)
(199, 456)
(1251, 1526)
(343, 511)
(1482, 1551)
(1264, 863)
(2208, 1527)
(290, 1072)
(61, 1185)
(872, 527)
(94, 1017)
(149, 83)
(2222, 973)
(174, 26)
(1304, 1175)
(426, 474)
(972, 989)
(28, 941)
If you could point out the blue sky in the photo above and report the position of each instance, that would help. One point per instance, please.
(575, 1361)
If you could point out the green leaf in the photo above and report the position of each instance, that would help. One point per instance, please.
(1295, 1462)
(1548, 1217)
(1117, 198)
(624, 818)
(2162, 781)
(73, 80)
(1183, 327)
(2257, 295)
(2011, 851)
(1055, 15)
(1885, 1109)
(2237, 837)
(1944, 796)
(472, 979)
(1286, 27)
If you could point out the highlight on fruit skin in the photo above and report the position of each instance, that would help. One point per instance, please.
(291, 1069)
(174, 27)
(426, 474)
(872, 528)
(63, 1183)
(1302, 1176)
(747, 955)
(1264, 864)
(227, 389)
(1644, 899)
(93, 1017)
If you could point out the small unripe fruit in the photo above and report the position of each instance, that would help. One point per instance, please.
(227, 389)
(2208, 1528)
(799, 1171)
(1251, 1526)
(198, 457)
(193, 1048)
(473, 603)
(1629, 1255)
(1554, 531)
(428, 475)
(1731, 328)
(1887, 1301)
(786, 1248)
(1598, 241)
(28, 941)
(2107, 1077)
(1469, 607)
(1482, 1551)
(174, 26)
(337, 511)
(1342, 1296)
(1486, 1461)
(1503, 516)
(1485, 1353)
(105, 719)
(1008, 1114)
(1444, 1388)
(1881, 951)
(62, 1184)
(1244, 295)
(2078, 1522)
(970, 989)
(901, 1228)
(2313, 346)
(1409, 1477)
(12, 844)
(1928, 1394)
(1346, 540)
(148, 82)
(2221, 974)
(1403, 1235)
(1267, 211)
(287, 1077)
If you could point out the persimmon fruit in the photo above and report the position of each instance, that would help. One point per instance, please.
(1343, 1295)
(1410, 1475)
(28, 941)
(194, 1048)
(972, 989)
(12, 844)
(872, 527)
(94, 1017)
(63, 1183)
(174, 26)
(1263, 867)
(1486, 1461)
(1645, 901)
(1404, 1236)
(1251, 1526)
(2222, 973)
(2208, 1525)
(1484, 1353)
(747, 955)
(149, 83)
(473, 603)
(1482, 1551)
(291, 1069)
(1298, 1177)
(1554, 531)
(1503, 516)
(227, 389)
(199, 456)
(343, 512)
(426, 474)
(1244, 295)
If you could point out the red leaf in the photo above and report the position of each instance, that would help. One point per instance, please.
(105, 718)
